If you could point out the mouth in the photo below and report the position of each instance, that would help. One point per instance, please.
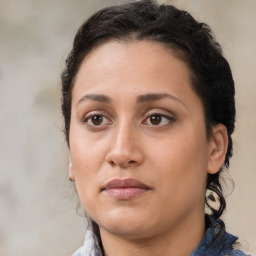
(125, 189)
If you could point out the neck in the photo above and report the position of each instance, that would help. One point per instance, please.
(178, 240)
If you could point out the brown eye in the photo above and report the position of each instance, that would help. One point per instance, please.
(97, 119)
(156, 119)
(94, 120)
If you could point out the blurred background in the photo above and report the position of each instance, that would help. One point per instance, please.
(37, 202)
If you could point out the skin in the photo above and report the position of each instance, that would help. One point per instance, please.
(172, 156)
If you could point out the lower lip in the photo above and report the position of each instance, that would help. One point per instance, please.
(125, 193)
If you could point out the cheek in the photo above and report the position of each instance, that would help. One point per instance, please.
(86, 164)
(87, 152)
(87, 157)
(181, 163)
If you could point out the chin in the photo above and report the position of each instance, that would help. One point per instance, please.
(128, 230)
(125, 224)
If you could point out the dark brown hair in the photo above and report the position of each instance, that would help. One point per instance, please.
(188, 39)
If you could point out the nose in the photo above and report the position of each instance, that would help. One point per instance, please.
(126, 149)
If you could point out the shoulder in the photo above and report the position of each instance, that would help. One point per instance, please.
(232, 248)
(79, 252)
(90, 247)
(217, 242)
(237, 253)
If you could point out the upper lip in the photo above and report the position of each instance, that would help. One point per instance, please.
(125, 183)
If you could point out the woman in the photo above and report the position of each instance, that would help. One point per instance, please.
(148, 103)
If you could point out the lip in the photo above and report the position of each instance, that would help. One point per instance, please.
(125, 189)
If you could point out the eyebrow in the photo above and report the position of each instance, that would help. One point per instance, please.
(149, 97)
(157, 96)
(95, 97)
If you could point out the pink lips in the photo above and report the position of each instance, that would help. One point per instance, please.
(125, 189)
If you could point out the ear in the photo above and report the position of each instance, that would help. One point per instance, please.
(217, 148)
(71, 170)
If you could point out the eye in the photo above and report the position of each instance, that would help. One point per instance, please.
(158, 119)
(96, 120)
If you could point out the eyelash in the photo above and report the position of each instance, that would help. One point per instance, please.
(168, 119)
(92, 115)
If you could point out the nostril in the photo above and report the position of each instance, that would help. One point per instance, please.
(112, 163)
(123, 164)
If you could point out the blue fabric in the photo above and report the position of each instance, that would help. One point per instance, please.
(216, 242)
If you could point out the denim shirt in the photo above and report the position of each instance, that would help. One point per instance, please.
(216, 242)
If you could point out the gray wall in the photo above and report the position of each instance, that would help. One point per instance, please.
(37, 203)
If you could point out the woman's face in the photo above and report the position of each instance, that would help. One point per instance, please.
(139, 153)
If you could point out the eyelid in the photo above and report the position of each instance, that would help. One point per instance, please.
(170, 117)
(160, 112)
(89, 115)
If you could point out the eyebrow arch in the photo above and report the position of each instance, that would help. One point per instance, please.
(140, 99)
(156, 96)
(95, 97)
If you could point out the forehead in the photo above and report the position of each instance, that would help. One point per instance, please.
(139, 64)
